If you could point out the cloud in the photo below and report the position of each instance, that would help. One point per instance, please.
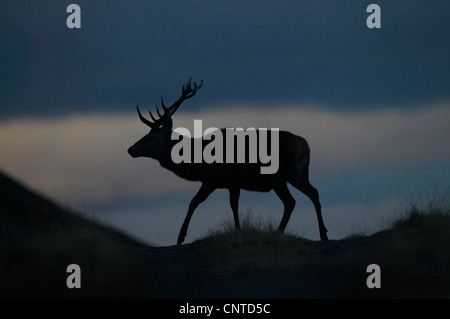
(81, 157)
(348, 140)
(84, 157)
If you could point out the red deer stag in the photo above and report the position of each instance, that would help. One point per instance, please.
(293, 167)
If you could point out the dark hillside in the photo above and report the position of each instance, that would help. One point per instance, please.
(39, 239)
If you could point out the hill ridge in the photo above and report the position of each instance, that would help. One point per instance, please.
(39, 238)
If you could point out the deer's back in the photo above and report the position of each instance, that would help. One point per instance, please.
(292, 148)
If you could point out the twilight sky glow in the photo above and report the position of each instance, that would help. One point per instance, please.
(373, 104)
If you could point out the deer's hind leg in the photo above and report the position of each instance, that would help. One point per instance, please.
(299, 179)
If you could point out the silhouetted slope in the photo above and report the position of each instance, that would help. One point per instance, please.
(24, 213)
(257, 264)
(413, 254)
(38, 239)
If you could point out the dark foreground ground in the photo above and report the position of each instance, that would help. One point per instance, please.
(39, 239)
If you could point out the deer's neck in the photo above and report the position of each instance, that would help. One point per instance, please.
(184, 170)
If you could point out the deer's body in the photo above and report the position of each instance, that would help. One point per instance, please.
(293, 168)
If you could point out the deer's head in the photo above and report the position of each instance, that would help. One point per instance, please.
(155, 142)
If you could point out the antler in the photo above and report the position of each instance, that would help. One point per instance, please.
(186, 93)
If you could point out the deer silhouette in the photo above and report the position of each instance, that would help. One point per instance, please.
(294, 153)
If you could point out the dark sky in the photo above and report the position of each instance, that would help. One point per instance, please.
(130, 52)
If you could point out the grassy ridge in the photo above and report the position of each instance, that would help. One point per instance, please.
(413, 253)
(39, 239)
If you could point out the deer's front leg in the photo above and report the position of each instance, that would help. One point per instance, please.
(202, 194)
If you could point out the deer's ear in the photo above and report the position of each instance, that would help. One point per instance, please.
(167, 126)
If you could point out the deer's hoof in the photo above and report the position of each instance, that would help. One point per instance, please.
(180, 239)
